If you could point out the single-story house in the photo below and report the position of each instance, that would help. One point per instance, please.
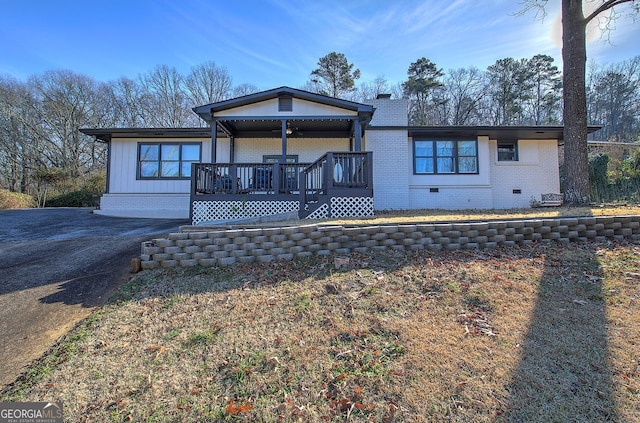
(288, 150)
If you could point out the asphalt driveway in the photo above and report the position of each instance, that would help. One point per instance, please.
(56, 266)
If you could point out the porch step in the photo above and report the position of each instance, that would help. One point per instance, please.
(214, 224)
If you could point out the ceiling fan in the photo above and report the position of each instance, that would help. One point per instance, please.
(290, 130)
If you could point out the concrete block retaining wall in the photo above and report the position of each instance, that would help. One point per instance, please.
(226, 247)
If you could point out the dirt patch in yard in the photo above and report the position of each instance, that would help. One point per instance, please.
(544, 332)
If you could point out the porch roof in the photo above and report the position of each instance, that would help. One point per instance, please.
(106, 134)
(297, 127)
(207, 112)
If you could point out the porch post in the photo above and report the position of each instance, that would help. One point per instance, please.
(232, 149)
(214, 140)
(283, 159)
(357, 129)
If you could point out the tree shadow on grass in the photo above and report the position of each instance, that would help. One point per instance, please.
(564, 372)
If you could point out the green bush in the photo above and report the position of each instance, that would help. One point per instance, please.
(609, 185)
(598, 178)
(87, 196)
(80, 198)
(96, 183)
(631, 165)
(15, 200)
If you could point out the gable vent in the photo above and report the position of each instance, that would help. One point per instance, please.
(285, 103)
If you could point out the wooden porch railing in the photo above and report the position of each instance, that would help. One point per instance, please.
(245, 178)
(334, 175)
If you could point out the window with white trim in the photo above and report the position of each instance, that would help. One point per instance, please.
(445, 157)
(170, 160)
(507, 151)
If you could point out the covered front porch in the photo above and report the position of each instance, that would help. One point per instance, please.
(337, 184)
(283, 151)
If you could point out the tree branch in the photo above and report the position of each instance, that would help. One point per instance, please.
(605, 6)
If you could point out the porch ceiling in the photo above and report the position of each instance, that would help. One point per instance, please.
(300, 128)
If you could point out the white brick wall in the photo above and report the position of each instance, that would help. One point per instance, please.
(390, 173)
(173, 206)
(390, 153)
(389, 112)
(451, 197)
(536, 172)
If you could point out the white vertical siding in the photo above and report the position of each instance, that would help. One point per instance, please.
(124, 162)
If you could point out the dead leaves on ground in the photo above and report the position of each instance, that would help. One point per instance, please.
(234, 409)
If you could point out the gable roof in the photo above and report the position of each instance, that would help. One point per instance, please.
(207, 111)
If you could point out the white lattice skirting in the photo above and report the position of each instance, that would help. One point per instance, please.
(321, 213)
(351, 206)
(207, 211)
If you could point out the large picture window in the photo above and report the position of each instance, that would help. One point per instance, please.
(445, 156)
(167, 160)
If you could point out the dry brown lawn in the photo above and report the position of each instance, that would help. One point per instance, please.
(547, 332)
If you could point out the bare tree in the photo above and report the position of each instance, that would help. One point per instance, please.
(19, 148)
(244, 89)
(66, 102)
(165, 98)
(466, 87)
(380, 85)
(208, 83)
(613, 100)
(574, 57)
(128, 97)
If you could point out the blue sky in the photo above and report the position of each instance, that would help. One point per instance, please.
(278, 42)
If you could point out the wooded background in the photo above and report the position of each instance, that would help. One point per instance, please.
(42, 149)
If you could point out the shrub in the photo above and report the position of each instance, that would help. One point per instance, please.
(80, 198)
(96, 183)
(598, 178)
(87, 196)
(15, 200)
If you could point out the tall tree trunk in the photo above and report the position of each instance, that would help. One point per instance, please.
(574, 57)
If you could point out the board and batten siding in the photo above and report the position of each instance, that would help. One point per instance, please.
(124, 164)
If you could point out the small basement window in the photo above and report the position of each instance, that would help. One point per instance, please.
(507, 151)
